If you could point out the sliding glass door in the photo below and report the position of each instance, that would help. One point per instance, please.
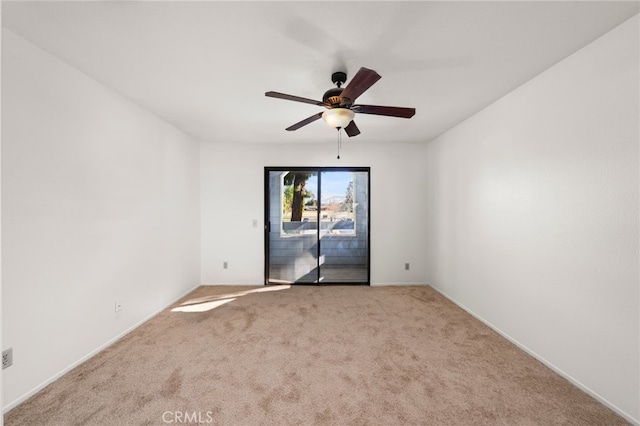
(317, 225)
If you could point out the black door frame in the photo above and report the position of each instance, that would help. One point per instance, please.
(267, 221)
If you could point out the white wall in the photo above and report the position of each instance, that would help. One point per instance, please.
(533, 217)
(1, 341)
(100, 200)
(233, 195)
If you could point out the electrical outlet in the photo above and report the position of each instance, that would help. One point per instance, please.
(118, 305)
(406, 266)
(7, 358)
(254, 223)
(225, 265)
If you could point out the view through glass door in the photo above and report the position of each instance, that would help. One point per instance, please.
(317, 225)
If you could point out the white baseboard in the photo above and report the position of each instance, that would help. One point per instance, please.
(398, 284)
(547, 363)
(56, 376)
(232, 284)
(395, 284)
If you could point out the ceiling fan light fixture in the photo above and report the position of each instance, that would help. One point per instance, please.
(338, 118)
(340, 103)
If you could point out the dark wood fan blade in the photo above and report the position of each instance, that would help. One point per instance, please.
(352, 129)
(304, 122)
(294, 98)
(384, 110)
(360, 82)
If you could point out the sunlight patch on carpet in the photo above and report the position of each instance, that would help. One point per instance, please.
(203, 304)
(202, 307)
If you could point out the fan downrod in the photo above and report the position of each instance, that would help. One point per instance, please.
(332, 96)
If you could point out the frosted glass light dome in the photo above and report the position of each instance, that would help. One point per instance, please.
(338, 117)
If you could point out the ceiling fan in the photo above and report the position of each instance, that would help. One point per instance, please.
(340, 103)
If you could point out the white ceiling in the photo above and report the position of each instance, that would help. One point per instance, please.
(204, 66)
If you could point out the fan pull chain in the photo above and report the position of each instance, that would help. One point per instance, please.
(339, 142)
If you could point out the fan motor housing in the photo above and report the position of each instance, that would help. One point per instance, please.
(332, 96)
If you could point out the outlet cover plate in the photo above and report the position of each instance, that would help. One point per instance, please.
(7, 358)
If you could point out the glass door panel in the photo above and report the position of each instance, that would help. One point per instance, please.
(344, 227)
(293, 223)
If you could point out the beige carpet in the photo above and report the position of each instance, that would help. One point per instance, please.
(313, 355)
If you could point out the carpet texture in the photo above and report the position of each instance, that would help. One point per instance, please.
(312, 355)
